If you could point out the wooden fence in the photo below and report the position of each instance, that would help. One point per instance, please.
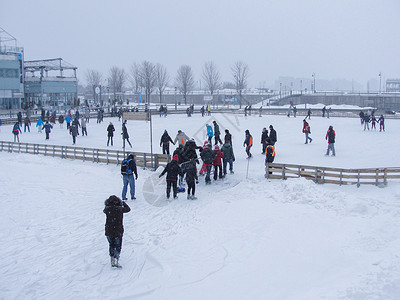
(374, 176)
(145, 160)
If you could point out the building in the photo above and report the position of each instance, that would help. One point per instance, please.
(11, 72)
(393, 85)
(50, 83)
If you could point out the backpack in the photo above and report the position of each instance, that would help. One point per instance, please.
(125, 170)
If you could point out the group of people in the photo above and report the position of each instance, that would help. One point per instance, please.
(367, 118)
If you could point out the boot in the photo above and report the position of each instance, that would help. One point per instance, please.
(116, 264)
(112, 262)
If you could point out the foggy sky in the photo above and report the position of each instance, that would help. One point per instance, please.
(344, 39)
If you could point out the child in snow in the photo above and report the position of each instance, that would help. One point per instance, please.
(114, 228)
(217, 162)
(306, 131)
(330, 136)
(207, 155)
(16, 131)
(39, 125)
(248, 142)
(173, 170)
(229, 157)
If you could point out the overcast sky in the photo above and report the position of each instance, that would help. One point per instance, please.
(349, 39)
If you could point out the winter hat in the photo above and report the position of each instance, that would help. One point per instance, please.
(216, 147)
(175, 157)
(205, 143)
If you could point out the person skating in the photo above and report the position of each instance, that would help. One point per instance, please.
(164, 142)
(381, 121)
(47, 129)
(114, 228)
(181, 138)
(308, 114)
(207, 155)
(373, 122)
(173, 170)
(189, 150)
(191, 178)
(39, 125)
(16, 131)
(269, 152)
(229, 157)
(227, 137)
(83, 125)
(74, 130)
(217, 163)
(128, 169)
(27, 124)
(330, 136)
(68, 121)
(19, 117)
(307, 131)
(366, 121)
(125, 135)
(61, 120)
(217, 133)
(272, 135)
(110, 134)
(210, 134)
(264, 136)
(248, 143)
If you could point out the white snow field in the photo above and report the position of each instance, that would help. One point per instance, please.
(244, 238)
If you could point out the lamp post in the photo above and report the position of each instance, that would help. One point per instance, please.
(301, 87)
(176, 106)
(313, 76)
(280, 90)
(380, 81)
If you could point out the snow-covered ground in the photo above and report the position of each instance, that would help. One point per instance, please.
(244, 238)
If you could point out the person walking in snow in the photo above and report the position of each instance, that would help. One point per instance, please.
(229, 157)
(173, 170)
(74, 130)
(83, 125)
(128, 169)
(217, 163)
(210, 134)
(228, 137)
(61, 120)
(27, 124)
(47, 129)
(191, 178)
(16, 131)
(248, 143)
(307, 131)
(181, 138)
(114, 228)
(217, 133)
(366, 121)
(68, 121)
(272, 135)
(125, 135)
(39, 125)
(373, 122)
(381, 121)
(164, 142)
(308, 114)
(110, 134)
(207, 155)
(264, 136)
(330, 136)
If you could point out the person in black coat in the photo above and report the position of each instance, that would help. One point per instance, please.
(207, 155)
(125, 135)
(164, 142)
(114, 228)
(272, 135)
(228, 137)
(189, 150)
(264, 136)
(217, 133)
(110, 134)
(173, 170)
(190, 170)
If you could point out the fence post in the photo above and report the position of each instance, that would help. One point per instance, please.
(93, 155)
(45, 150)
(376, 177)
(107, 157)
(19, 147)
(341, 176)
(1, 146)
(54, 151)
(84, 154)
(316, 175)
(144, 161)
(358, 178)
(155, 161)
(323, 175)
(62, 151)
(385, 176)
(299, 172)
(97, 155)
(26, 150)
(117, 157)
(283, 171)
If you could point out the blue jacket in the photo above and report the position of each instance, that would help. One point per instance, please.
(47, 127)
(39, 123)
(210, 132)
(68, 119)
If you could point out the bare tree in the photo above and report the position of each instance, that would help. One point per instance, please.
(135, 78)
(240, 72)
(93, 79)
(148, 78)
(184, 80)
(116, 79)
(211, 77)
(162, 79)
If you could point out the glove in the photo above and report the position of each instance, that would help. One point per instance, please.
(159, 176)
(137, 177)
(197, 182)
(233, 159)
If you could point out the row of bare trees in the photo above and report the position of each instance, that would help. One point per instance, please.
(147, 77)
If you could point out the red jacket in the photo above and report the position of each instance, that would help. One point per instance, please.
(306, 128)
(218, 158)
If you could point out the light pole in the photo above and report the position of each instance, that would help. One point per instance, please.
(301, 87)
(313, 76)
(280, 90)
(176, 107)
(380, 81)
